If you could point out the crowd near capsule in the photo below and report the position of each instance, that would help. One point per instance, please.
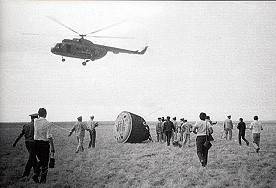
(40, 143)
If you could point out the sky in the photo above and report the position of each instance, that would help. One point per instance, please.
(213, 57)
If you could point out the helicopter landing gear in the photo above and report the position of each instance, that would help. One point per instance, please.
(62, 59)
(85, 61)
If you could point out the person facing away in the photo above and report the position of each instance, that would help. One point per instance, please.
(202, 129)
(79, 128)
(186, 133)
(180, 129)
(228, 126)
(43, 143)
(256, 127)
(92, 126)
(163, 135)
(241, 126)
(159, 130)
(168, 129)
(174, 133)
(211, 123)
(28, 132)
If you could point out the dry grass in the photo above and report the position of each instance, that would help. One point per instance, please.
(144, 165)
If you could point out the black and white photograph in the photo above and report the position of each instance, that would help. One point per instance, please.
(138, 94)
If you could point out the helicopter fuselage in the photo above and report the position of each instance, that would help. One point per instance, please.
(79, 48)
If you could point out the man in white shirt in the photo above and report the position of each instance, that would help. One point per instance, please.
(256, 127)
(43, 142)
(228, 126)
(92, 125)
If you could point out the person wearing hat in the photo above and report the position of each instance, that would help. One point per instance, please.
(28, 132)
(228, 126)
(43, 145)
(79, 129)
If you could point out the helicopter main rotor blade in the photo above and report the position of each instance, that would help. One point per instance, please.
(112, 37)
(106, 27)
(36, 34)
(44, 35)
(58, 22)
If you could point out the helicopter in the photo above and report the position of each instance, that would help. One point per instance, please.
(82, 48)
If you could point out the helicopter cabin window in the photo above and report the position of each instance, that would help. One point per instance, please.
(68, 48)
(59, 45)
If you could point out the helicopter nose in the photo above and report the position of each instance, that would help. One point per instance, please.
(53, 50)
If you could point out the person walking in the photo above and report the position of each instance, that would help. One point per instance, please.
(181, 129)
(174, 133)
(256, 127)
(159, 130)
(43, 143)
(178, 132)
(211, 123)
(28, 132)
(228, 126)
(241, 126)
(186, 133)
(79, 128)
(92, 126)
(202, 128)
(163, 135)
(168, 129)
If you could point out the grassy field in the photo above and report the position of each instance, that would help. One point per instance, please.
(143, 165)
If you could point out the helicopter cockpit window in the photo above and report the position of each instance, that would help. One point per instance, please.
(58, 45)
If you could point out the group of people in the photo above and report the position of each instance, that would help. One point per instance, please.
(80, 127)
(171, 131)
(255, 126)
(167, 130)
(40, 145)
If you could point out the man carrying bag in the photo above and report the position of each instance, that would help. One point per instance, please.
(202, 128)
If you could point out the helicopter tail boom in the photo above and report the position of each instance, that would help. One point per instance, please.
(143, 51)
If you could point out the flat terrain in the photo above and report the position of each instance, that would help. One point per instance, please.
(151, 164)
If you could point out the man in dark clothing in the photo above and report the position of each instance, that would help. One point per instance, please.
(28, 132)
(147, 129)
(241, 126)
(168, 129)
